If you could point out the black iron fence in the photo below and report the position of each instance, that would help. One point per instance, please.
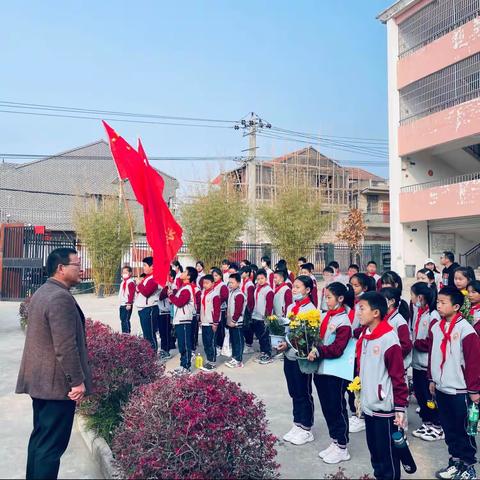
(25, 251)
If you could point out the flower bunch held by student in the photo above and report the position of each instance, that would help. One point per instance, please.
(426, 315)
(454, 373)
(335, 333)
(384, 392)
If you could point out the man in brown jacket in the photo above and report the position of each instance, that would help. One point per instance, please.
(54, 369)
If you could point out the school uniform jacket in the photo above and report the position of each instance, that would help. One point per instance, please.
(270, 277)
(461, 371)
(248, 289)
(148, 293)
(163, 301)
(337, 335)
(199, 280)
(236, 307)
(209, 307)
(263, 302)
(222, 291)
(475, 312)
(126, 294)
(282, 299)
(184, 304)
(382, 376)
(422, 323)
(400, 326)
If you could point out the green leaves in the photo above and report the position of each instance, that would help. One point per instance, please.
(294, 221)
(105, 231)
(212, 223)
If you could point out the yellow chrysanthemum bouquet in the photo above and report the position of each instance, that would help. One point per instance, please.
(355, 387)
(304, 331)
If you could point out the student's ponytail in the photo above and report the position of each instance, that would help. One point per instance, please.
(421, 288)
(340, 290)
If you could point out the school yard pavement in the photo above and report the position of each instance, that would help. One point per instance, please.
(268, 383)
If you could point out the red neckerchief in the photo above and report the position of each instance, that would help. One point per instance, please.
(299, 304)
(351, 315)
(371, 274)
(330, 314)
(124, 285)
(257, 290)
(474, 309)
(381, 329)
(204, 297)
(446, 336)
(244, 284)
(389, 315)
(421, 311)
(278, 287)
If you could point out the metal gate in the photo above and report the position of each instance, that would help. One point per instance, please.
(24, 251)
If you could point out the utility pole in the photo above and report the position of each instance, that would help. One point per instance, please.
(251, 126)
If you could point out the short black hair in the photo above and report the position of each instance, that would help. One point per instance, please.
(475, 285)
(302, 259)
(225, 262)
(376, 302)
(334, 264)
(192, 274)
(127, 267)
(234, 265)
(245, 261)
(449, 255)
(283, 273)
(262, 271)
(176, 263)
(247, 269)
(59, 256)
(328, 270)
(307, 266)
(148, 261)
(354, 266)
(209, 278)
(217, 271)
(392, 278)
(266, 259)
(199, 262)
(455, 295)
(372, 262)
(236, 277)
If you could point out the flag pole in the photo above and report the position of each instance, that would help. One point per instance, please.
(129, 216)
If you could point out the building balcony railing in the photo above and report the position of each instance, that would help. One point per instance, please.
(433, 21)
(467, 177)
(453, 85)
(376, 218)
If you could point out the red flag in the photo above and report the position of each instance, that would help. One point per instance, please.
(164, 234)
(128, 162)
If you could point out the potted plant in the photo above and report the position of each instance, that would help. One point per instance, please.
(304, 332)
(276, 328)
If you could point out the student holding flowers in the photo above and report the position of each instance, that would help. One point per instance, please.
(335, 333)
(299, 384)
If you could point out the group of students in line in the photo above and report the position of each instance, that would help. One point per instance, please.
(429, 336)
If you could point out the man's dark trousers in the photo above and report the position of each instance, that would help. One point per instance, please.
(52, 426)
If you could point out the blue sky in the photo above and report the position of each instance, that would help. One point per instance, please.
(308, 65)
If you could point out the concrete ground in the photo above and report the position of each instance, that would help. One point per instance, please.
(268, 383)
(16, 411)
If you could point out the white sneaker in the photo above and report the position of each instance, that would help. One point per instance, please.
(301, 437)
(325, 452)
(433, 434)
(356, 424)
(248, 350)
(219, 352)
(421, 431)
(290, 433)
(337, 455)
(234, 364)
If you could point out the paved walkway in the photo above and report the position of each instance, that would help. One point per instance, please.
(268, 383)
(16, 411)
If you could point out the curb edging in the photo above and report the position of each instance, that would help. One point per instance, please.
(99, 450)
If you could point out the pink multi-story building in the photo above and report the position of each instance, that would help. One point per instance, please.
(434, 130)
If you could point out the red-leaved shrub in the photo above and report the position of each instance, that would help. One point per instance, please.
(198, 427)
(119, 364)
